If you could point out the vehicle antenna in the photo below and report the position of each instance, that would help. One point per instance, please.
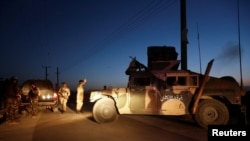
(198, 36)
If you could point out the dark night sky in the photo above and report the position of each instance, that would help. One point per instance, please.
(93, 39)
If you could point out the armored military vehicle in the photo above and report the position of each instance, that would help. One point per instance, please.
(161, 89)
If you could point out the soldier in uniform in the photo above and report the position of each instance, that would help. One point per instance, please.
(13, 95)
(80, 95)
(33, 97)
(64, 93)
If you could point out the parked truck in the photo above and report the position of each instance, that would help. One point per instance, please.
(161, 89)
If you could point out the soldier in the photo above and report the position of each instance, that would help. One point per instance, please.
(64, 93)
(13, 95)
(33, 97)
(80, 95)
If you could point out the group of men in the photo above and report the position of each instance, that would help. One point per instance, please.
(64, 93)
(14, 96)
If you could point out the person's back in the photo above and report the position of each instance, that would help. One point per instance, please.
(33, 95)
(34, 92)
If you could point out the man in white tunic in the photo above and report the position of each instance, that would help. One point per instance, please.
(80, 95)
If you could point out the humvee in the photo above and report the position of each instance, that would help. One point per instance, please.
(162, 89)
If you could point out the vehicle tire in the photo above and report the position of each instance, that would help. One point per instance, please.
(104, 110)
(211, 112)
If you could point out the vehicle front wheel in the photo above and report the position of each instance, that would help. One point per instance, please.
(104, 110)
(211, 112)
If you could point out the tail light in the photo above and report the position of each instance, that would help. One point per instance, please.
(55, 95)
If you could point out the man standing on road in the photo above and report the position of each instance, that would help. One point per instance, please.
(80, 95)
(64, 93)
(33, 96)
(13, 94)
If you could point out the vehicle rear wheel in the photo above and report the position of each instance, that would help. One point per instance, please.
(211, 112)
(104, 110)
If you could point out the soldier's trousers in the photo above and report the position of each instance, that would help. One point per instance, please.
(79, 102)
(12, 106)
(33, 107)
(63, 103)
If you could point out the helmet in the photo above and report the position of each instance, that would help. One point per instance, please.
(13, 78)
(32, 83)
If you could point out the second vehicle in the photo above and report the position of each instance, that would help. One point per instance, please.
(47, 97)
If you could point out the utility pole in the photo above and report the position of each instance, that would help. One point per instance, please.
(184, 40)
(57, 78)
(238, 8)
(46, 72)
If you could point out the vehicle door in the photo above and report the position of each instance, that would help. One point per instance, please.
(138, 93)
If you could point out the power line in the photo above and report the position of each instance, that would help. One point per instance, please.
(141, 16)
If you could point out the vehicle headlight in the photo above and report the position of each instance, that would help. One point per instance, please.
(47, 96)
(43, 97)
(94, 96)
